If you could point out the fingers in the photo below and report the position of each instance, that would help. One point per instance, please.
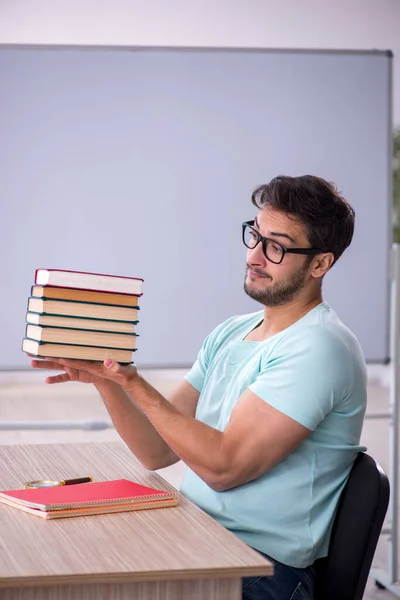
(63, 378)
(119, 373)
(91, 366)
(109, 369)
(46, 364)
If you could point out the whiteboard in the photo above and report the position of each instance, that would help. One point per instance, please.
(141, 162)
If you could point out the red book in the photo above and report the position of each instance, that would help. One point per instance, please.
(89, 281)
(87, 498)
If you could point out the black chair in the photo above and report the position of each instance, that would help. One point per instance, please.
(343, 574)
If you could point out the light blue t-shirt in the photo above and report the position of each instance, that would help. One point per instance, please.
(314, 372)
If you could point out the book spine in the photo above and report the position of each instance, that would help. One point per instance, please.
(44, 299)
(41, 343)
(85, 330)
(86, 318)
(56, 287)
(89, 273)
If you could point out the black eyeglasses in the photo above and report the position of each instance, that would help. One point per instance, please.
(272, 250)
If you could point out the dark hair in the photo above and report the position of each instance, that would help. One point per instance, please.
(328, 217)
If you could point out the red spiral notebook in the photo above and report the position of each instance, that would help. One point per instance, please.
(83, 499)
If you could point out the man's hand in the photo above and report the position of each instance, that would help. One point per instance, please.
(86, 371)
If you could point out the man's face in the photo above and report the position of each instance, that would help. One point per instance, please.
(269, 283)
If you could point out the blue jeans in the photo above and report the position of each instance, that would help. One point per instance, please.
(288, 583)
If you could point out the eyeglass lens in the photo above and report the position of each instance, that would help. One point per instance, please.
(273, 251)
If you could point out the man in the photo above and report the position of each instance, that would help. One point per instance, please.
(269, 418)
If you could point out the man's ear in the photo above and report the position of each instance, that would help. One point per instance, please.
(322, 263)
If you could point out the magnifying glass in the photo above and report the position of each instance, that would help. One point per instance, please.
(43, 483)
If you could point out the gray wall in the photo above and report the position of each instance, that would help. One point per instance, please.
(142, 162)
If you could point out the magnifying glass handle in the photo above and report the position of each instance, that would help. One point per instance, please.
(78, 480)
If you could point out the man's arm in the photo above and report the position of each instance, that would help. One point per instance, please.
(135, 428)
(257, 437)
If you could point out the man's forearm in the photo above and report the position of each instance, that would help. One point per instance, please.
(135, 428)
(200, 446)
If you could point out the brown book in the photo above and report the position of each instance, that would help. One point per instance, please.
(82, 309)
(81, 337)
(78, 352)
(77, 295)
(80, 323)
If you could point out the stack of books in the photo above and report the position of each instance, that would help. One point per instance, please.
(87, 316)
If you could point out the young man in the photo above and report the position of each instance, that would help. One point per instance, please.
(269, 418)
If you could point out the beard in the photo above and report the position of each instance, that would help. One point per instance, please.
(280, 293)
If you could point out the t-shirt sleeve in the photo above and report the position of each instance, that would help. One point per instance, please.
(307, 377)
(197, 374)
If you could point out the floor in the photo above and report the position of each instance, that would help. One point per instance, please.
(25, 400)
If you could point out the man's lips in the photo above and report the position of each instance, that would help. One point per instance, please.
(256, 274)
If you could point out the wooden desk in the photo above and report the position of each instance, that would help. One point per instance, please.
(162, 554)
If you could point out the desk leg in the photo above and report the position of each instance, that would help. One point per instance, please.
(194, 589)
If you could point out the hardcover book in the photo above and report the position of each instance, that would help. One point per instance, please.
(81, 337)
(58, 293)
(50, 350)
(80, 323)
(89, 281)
(82, 309)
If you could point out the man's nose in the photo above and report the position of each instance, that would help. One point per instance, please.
(256, 255)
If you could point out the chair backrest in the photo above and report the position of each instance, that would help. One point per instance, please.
(358, 523)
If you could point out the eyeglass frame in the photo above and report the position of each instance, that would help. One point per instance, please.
(285, 250)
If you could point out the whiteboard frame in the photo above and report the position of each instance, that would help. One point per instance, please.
(247, 49)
